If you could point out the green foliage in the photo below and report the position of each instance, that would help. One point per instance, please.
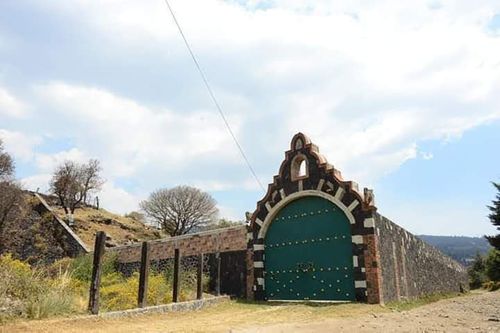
(425, 299)
(477, 274)
(495, 218)
(28, 292)
(492, 265)
(81, 267)
(63, 287)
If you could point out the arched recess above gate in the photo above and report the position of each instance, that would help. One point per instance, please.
(319, 178)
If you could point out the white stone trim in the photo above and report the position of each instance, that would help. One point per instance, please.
(330, 185)
(301, 185)
(259, 222)
(353, 205)
(369, 222)
(359, 284)
(355, 261)
(339, 194)
(258, 247)
(282, 193)
(320, 185)
(260, 281)
(363, 269)
(258, 264)
(249, 236)
(268, 206)
(357, 239)
(297, 195)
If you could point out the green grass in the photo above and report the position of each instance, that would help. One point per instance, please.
(423, 300)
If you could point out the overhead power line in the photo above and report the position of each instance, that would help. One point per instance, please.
(212, 95)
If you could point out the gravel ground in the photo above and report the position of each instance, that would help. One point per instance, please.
(478, 312)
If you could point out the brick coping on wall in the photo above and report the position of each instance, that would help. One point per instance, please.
(181, 237)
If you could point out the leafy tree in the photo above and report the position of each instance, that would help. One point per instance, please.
(476, 272)
(181, 209)
(73, 182)
(495, 218)
(492, 265)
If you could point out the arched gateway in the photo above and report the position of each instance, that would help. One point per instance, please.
(309, 253)
(310, 234)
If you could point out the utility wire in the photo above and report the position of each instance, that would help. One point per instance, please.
(217, 105)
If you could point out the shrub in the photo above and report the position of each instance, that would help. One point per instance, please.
(29, 293)
(492, 265)
(491, 285)
(477, 275)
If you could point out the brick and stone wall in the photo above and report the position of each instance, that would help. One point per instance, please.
(410, 267)
(213, 241)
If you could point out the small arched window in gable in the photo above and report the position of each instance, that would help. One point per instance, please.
(299, 168)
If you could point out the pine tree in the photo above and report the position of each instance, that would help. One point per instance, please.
(495, 218)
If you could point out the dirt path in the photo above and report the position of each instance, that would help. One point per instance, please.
(476, 312)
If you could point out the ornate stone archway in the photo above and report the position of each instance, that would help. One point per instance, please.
(321, 179)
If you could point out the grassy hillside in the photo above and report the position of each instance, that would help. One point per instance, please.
(461, 248)
(119, 229)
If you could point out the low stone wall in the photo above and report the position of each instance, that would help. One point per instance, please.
(72, 244)
(410, 267)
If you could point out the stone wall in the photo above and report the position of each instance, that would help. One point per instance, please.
(410, 267)
(213, 241)
(67, 238)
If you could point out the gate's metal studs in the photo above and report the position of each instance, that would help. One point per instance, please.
(330, 285)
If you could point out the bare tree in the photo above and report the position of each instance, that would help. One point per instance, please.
(73, 182)
(11, 196)
(181, 209)
(6, 163)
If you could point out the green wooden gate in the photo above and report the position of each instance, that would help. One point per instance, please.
(308, 253)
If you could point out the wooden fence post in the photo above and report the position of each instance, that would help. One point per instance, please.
(175, 293)
(199, 278)
(142, 297)
(100, 240)
(217, 277)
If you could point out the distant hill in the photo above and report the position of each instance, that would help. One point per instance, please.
(462, 249)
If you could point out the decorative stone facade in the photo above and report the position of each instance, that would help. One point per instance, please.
(323, 180)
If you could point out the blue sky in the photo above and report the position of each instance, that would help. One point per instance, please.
(402, 98)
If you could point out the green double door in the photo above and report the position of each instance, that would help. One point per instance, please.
(308, 253)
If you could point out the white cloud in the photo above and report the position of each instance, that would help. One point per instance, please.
(117, 200)
(11, 106)
(127, 135)
(21, 145)
(368, 82)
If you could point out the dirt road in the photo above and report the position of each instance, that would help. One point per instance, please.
(476, 312)
(473, 313)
